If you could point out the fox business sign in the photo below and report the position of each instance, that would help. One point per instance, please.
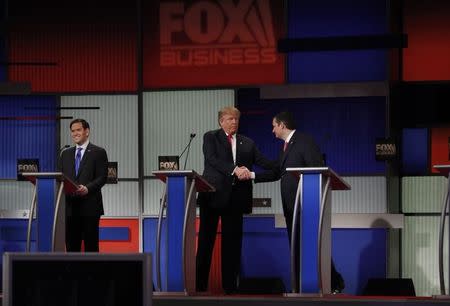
(221, 32)
(385, 149)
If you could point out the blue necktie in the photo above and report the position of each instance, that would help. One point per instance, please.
(77, 160)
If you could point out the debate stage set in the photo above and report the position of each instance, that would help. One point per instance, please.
(368, 80)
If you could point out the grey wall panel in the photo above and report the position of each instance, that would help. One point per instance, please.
(268, 190)
(15, 195)
(153, 190)
(121, 199)
(423, 194)
(114, 126)
(170, 117)
(367, 195)
(420, 253)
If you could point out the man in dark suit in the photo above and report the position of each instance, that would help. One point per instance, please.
(299, 150)
(87, 165)
(227, 155)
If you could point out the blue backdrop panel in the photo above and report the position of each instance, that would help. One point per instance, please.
(325, 18)
(265, 250)
(344, 128)
(415, 151)
(359, 254)
(29, 127)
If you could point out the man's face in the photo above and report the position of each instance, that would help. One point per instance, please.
(78, 133)
(229, 123)
(277, 129)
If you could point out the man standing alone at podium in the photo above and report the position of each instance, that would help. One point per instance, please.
(87, 165)
(227, 155)
(299, 150)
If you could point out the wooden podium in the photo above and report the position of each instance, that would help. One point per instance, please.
(180, 201)
(50, 214)
(312, 214)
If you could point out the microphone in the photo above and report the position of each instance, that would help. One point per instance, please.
(59, 165)
(188, 147)
(62, 149)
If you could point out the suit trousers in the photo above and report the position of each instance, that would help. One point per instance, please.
(82, 228)
(231, 222)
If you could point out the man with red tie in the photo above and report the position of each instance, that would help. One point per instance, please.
(299, 150)
(227, 155)
(87, 165)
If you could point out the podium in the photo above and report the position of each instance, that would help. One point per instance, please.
(180, 201)
(312, 215)
(444, 170)
(50, 214)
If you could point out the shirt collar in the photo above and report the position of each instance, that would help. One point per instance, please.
(84, 145)
(290, 136)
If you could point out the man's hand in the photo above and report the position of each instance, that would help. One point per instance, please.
(242, 173)
(82, 190)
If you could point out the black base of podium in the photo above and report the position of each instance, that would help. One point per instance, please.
(390, 287)
(269, 285)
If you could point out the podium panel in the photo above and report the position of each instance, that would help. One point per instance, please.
(312, 220)
(50, 214)
(180, 218)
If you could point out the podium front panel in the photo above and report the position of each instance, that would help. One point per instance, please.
(46, 196)
(309, 233)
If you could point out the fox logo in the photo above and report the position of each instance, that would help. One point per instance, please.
(216, 32)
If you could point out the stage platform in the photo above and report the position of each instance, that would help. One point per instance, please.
(161, 299)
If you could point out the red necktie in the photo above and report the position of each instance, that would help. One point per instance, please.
(230, 139)
(285, 146)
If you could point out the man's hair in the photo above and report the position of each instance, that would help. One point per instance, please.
(287, 118)
(228, 110)
(83, 122)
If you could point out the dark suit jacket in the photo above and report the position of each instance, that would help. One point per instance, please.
(92, 173)
(302, 151)
(219, 167)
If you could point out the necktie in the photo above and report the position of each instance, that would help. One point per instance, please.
(285, 146)
(77, 160)
(230, 139)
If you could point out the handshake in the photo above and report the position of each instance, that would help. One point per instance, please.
(242, 173)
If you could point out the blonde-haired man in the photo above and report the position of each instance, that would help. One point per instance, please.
(227, 157)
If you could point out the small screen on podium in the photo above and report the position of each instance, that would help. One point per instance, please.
(76, 279)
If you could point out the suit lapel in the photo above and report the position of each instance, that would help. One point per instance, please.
(71, 164)
(289, 148)
(225, 143)
(238, 147)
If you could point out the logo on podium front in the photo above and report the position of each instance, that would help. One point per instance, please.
(26, 165)
(168, 163)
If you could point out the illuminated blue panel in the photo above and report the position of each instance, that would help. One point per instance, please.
(414, 151)
(327, 18)
(28, 126)
(344, 128)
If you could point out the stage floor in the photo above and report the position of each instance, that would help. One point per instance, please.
(161, 299)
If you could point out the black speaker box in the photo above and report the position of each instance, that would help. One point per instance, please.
(267, 285)
(390, 287)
